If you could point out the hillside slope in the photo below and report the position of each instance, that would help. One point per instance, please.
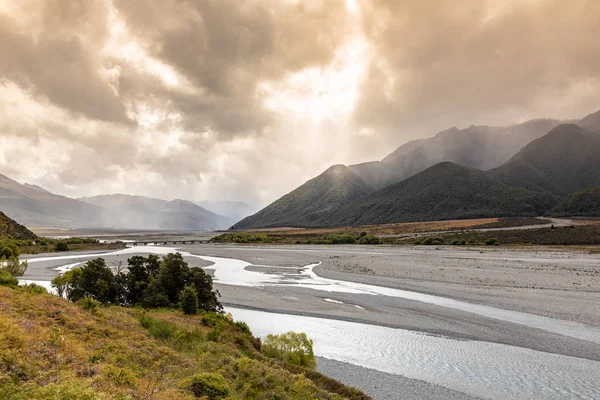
(444, 191)
(482, 147)
(311, 203)
(32, 205)
(53, 349)
(10, 229)
(585, 203)
(139, 212)
(564, 161)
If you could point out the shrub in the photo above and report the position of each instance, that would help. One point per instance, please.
(36, 289)
(243, 327)
(61, 246)
(294, 348)
(188, 300)
(429, 241)
(14, 267)
(492, 242)
(89, 304)
(7, 279)
(6, 252)
(213, 386)
(370, 239)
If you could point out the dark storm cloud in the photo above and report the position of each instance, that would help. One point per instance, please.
(443, 63)
(226, 48)
(54, 55)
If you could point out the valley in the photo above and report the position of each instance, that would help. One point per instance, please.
(414, 289)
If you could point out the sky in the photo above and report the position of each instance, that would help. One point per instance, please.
(246, 100)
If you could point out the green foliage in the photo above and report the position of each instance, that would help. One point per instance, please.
(457, 242)
(36, 289)
(10, 229)
(188, 300)
(61, 246)
(7, 279)
(294, 348)
(61, 351)
(246, 237)
(370, 239)
(150, 282)
(492, 242)
(89, 304)
(585, 203)
(211, 385)
(15, 267)
(430, 241)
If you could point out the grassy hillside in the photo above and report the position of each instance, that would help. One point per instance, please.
(311, 203)
(585, 203)
(53, 349)
(10, 229)
(444, 191)
(564, 161)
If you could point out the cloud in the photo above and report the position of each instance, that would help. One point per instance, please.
(438, 64)
(246, 100)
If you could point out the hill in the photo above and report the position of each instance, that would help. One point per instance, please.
(53, 349)
(10, 229)
(139, 212)
(444, 191)
(565, 160)
(32, 205)
(311, 203)
(585, 203)
(482, 147)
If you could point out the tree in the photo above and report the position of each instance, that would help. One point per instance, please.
(203, 284)
(137, 278)
(294, 348)
(98, 281)
(172, 276)
(188, 300)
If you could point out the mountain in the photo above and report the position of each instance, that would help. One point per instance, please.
(138, 212)
(10, 229)
(591, 122)
(234, 210)
(585, 203)
(311, 203)
(33, 205)
(481, 147)
(444, 191)
(564, 161)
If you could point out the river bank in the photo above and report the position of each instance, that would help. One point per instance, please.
(277, 279)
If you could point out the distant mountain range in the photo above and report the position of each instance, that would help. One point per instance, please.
(33, 205)
(529, 169)
(138, 212)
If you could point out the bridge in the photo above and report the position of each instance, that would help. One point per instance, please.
(166, 242)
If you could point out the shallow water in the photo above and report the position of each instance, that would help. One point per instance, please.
(230, 271)
(481, 369)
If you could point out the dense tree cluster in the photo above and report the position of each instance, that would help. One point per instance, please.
(147, 281)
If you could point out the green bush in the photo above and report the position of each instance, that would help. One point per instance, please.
(7, 279)
(492, 242)
(429, 241)
(61, 246)
(213, 386)
(188, 300)
(370, 239)
(294, 348)
(15, 267)
(36, 289)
